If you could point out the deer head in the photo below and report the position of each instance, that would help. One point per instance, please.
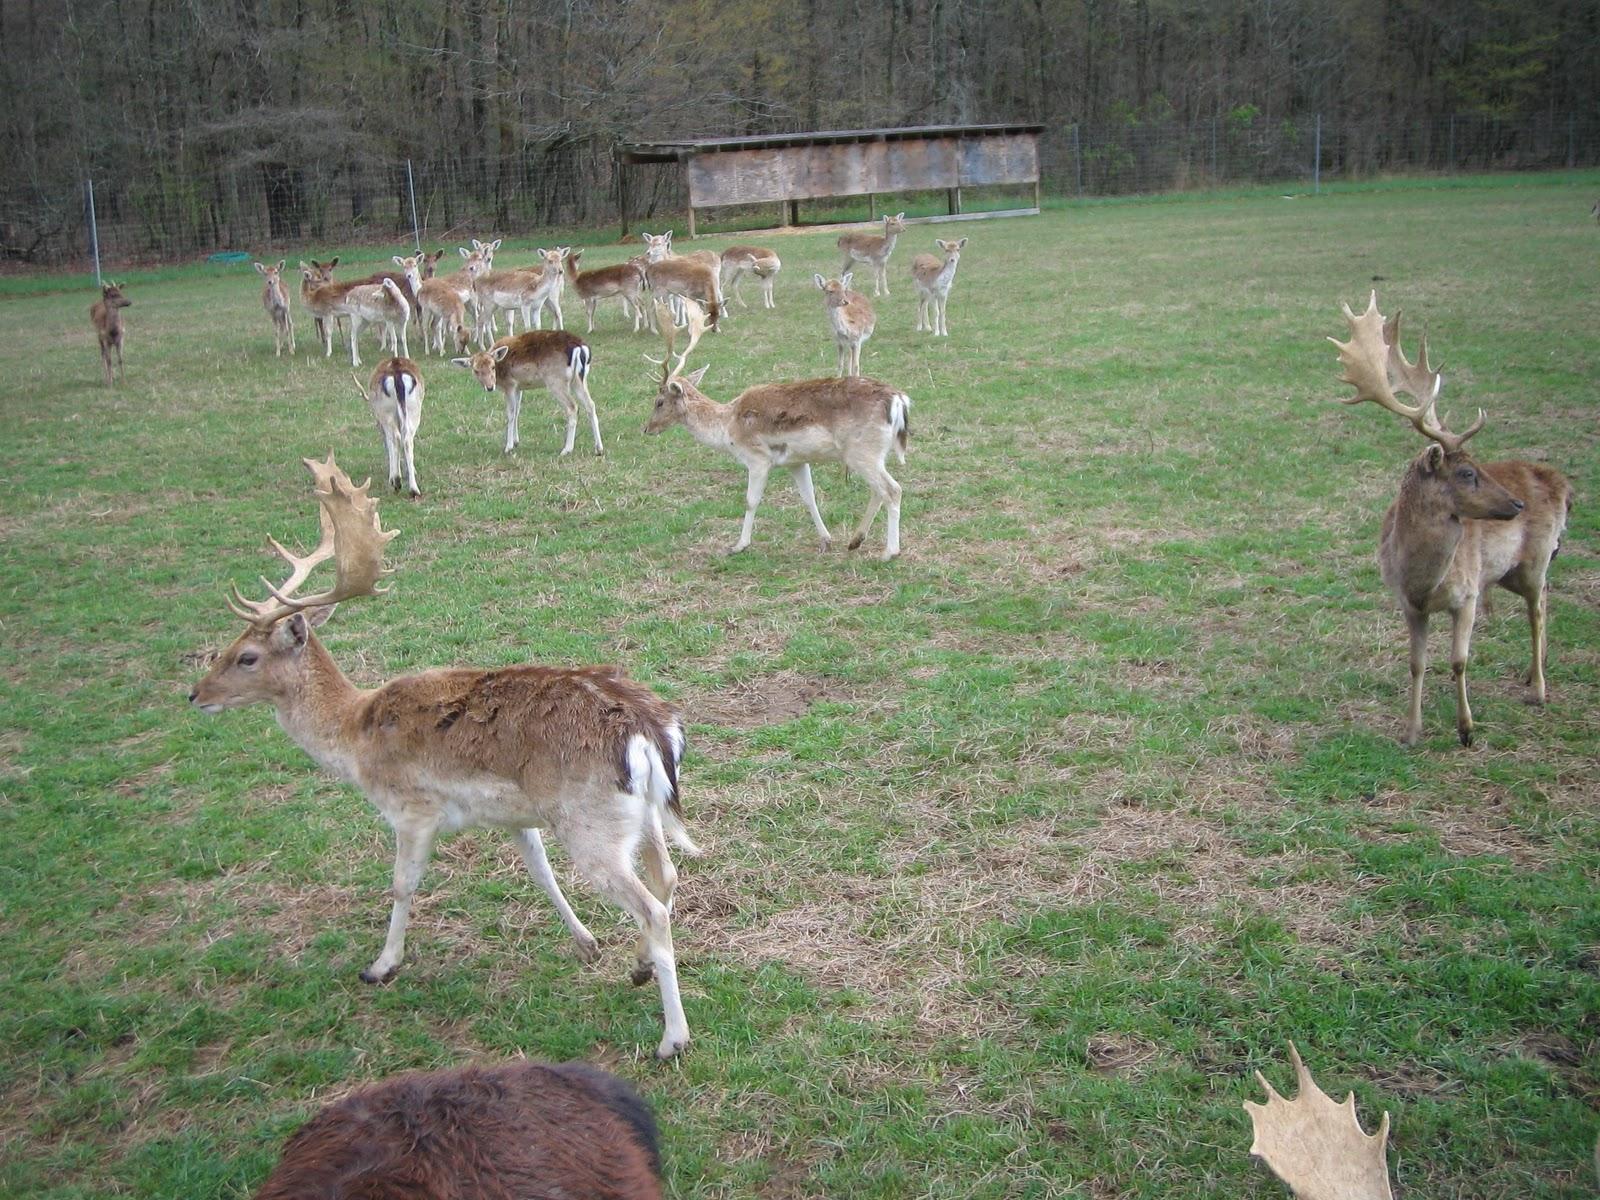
(273, 274)
(430, 263)
(893, 225)
(835, 292)
(1318, 1147)
(657, 245)
(484, 365)
(111, 295)
(673, 387)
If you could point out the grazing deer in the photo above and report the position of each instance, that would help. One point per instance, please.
(553, 358)
(625, 281)
(584, 752)
(1316, 1146)
(395, 394)
(1457, 527)
(873, 248)
(853, 421)
(522, 1129)
(383, 304)
(739, 261)
(852, 319)
(933, 278)
(275, 299)
(106, 314)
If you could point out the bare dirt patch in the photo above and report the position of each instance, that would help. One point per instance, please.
(763, 700)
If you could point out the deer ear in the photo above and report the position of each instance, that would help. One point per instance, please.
(500, 352)
(1433, 459)
(282, 262)
(333, 262)
(820, 282)
(399, 262)
(291, 633)
(318, 616)
(495, 245)
(844, 280)
(962, 244)
(465, 253)
(262, 267)
(694, 377)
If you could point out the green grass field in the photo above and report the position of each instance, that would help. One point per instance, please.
(1024, 850)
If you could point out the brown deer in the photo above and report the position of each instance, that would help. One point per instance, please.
(394, 393)
(933, 278)
(275, 299)
(553, 358)
(106, 315)
(385, 304)
(851, 317)
(624, 281)
(739, 261)
(524, 290)
(695, 276)
(874, 249)
(1457, 527)
(523, 1129)
(321, 296)
(583, 752)
(1316, 1146)
(853, 421)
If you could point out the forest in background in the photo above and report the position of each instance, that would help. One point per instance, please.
(178, 104)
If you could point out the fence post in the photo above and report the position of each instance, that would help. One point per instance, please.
(94, 234)
(411, 187)
(1451, 165)
(1571, 161)
(1316, 168)
(1214, 179)
(1077, 157)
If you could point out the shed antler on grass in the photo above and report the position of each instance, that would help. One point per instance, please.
(1318, 1147)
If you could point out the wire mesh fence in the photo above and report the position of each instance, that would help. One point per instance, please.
(274, 208)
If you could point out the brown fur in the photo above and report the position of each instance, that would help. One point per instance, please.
(106, 316)
(549, 358)
(400, 279)
(624, 280)
(690, 278)
(739, 261)
(873, 249)
(322, 296)
(275, 299)
(523, 1131)
(851, 318)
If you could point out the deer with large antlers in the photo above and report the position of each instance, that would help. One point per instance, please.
(854, 421)
(1318, 1147)
(583, 752)
(1458, 527)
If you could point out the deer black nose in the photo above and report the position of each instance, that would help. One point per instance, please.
(1519, 504)
(193, 692)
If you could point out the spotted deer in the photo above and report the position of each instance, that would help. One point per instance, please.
(873, 249)
(695, 276)
(106, 316)
(583, 752)
(275, 299)
(625, 281)
(933, 278)
(851, 317)
(739, 261)
(551, 358)
(384, 304)
(1457, 527)
(394, 393)
(524, 290)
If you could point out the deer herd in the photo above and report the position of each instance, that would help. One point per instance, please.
(592, 758)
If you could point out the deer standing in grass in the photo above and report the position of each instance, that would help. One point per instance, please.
(394, 394)
(873, 249)
(739, 261)
(321, 295)
(520, 290)
(624, 281)
(696, 276)
(933, 278)
(851, 316)
(275, 299)
(852, 421)
(553, 358)
(384, 304)
(444, 300)
(1457, 527)
(583, 752)
(106, 316)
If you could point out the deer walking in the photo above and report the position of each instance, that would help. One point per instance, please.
(933, 278)
(1457, 527)
(584, 752)
(394, 394)
(873, 249)
(739, 261)
(853, 421)
(275, 299)
(553, 358)
(851, 316)
(106, 316)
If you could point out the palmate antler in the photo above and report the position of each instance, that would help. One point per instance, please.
(1375, 365)
(1317, 1147)
(351, 536)
(694, 321)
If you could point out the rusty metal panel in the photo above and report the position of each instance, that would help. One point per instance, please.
(1011, 158)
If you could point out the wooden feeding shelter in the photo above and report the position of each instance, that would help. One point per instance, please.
(788, 168)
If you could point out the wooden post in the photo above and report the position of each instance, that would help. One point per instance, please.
(691, 221)
(794, 211)
(955, 200)
(872, 206)
(622, 193)
(1038, 194)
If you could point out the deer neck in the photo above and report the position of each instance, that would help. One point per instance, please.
(318, 709)
(708, 422)
(1422, 546)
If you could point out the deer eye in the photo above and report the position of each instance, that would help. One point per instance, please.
(1465, 474)
(248, 659)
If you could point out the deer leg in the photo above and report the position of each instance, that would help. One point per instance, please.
(569, 406)
(289, 321)
(531, 844)
(355, 337)
(944, 325)
(1460, 645)
(753, 489)
(412, 846)
(661, 878)
(766, 291)
(581, 386)
(392, 452)
(555, 307)
(808, 497)
(121, 375)
(1538, 615)
(405, 350)
(409, 443)
(1417, 626)
(513, 404)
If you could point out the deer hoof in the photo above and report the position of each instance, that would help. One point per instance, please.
(670, 1048)
(643, 973)
(855, 542)
(371, 976)
(1465, 735)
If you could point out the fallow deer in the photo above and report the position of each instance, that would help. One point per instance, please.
(321, 295)
(275, 299)
(624, 281)
(739, 261)
(443, 312)
(695, 276)
(106, 316)
(1316, 1146)
(395, 394)
(853, 421)
(874, 249)
(553, 358)
(521, 1129)
(933, 278)
(583, 752)
(384, 304)
(519, 290)
(851, 317)
(1457, 527)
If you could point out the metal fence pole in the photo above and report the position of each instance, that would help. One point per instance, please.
(1316, 168)
(1077, 157)
(411, 187)
(1451, 165)
(1214, 151)
(94, 233)
(1571, 159)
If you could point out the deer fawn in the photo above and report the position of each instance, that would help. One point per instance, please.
(933, 278)
(1457, 527)
(739, 261)
(852, 421)
(394, 394)
(852, 319)
(625, 281)
(275, 299)
(583, 752)
(553, 358)
(873, 248)
(106, 314)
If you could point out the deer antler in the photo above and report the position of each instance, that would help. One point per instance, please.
(1318, 1147)
(351, 535)
(1373, 356)
(695, 322)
